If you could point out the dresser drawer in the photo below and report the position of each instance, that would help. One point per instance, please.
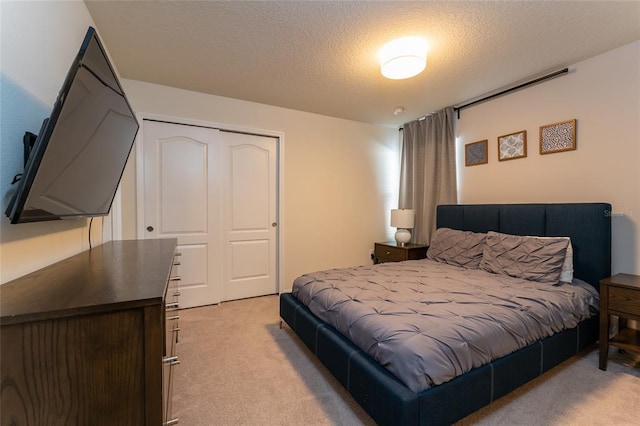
(624, 301)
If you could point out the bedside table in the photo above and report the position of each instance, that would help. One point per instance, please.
(393, 252)
(620, 296)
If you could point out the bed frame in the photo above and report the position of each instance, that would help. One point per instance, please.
(388, 401)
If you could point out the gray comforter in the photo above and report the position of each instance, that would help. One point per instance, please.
(428, 322)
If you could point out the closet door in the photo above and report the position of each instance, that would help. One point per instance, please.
(216, 191)
(249, 215)
(182, 199)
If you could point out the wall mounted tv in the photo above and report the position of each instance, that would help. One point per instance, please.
(78, 157)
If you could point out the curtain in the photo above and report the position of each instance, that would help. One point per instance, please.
(428, 170)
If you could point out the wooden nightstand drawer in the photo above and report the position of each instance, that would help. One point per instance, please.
(391, 252)
(624, 301)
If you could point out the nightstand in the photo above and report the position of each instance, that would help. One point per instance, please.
(620, 296)
(393, 252)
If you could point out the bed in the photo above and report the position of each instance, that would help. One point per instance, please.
(389, 400)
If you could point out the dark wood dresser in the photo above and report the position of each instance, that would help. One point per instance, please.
(91, 340)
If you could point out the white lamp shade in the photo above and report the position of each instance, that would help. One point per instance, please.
(402, 218)
(403, 58)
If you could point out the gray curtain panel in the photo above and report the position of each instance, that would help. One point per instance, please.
(428, 170)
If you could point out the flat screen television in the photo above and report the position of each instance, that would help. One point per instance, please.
(79, 155)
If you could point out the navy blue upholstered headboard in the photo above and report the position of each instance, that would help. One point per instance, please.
(587, 224)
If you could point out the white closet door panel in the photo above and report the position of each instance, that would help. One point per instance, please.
(194, 273)
(184, 183)
(182, 199)
(249, 259)
(250, 215)
(249, 189)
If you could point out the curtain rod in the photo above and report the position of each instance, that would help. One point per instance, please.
(401, 128)
(520, 86)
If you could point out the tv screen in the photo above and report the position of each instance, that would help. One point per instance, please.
(75, 165)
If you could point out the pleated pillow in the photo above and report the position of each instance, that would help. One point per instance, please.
(459, 248)
(529, 258)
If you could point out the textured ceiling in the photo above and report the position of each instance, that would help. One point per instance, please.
(320, 56)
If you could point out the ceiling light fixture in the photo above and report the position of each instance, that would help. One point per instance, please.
(403, 58)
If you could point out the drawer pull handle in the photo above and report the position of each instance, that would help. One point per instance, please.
(176, 278)
(171, 360)
(176, 294)
(173, 318)
(176, 254)
(171, 422)
(172, 305)
(388, 253)
(176, 263)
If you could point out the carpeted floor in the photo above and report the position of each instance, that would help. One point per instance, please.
(237, 367)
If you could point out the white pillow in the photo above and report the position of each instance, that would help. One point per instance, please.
(566, 275)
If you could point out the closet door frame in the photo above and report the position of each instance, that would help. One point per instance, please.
(229, 128)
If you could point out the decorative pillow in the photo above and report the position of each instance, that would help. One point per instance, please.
(459, 248)
(535, 259)
(566, 275)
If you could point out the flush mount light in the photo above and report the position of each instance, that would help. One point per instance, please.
(403, 57)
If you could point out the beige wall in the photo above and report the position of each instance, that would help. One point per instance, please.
(39, 41)
(340, 176)
(603, 94)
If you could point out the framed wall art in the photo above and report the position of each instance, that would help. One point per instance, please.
(476, 153)
(512, 146)
(558, 137)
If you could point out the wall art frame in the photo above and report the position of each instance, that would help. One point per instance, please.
(512, 146)
(476, 153)
(558, 137)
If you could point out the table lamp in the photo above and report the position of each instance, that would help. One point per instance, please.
(403, 220)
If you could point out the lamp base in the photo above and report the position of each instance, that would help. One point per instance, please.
(403, 236)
